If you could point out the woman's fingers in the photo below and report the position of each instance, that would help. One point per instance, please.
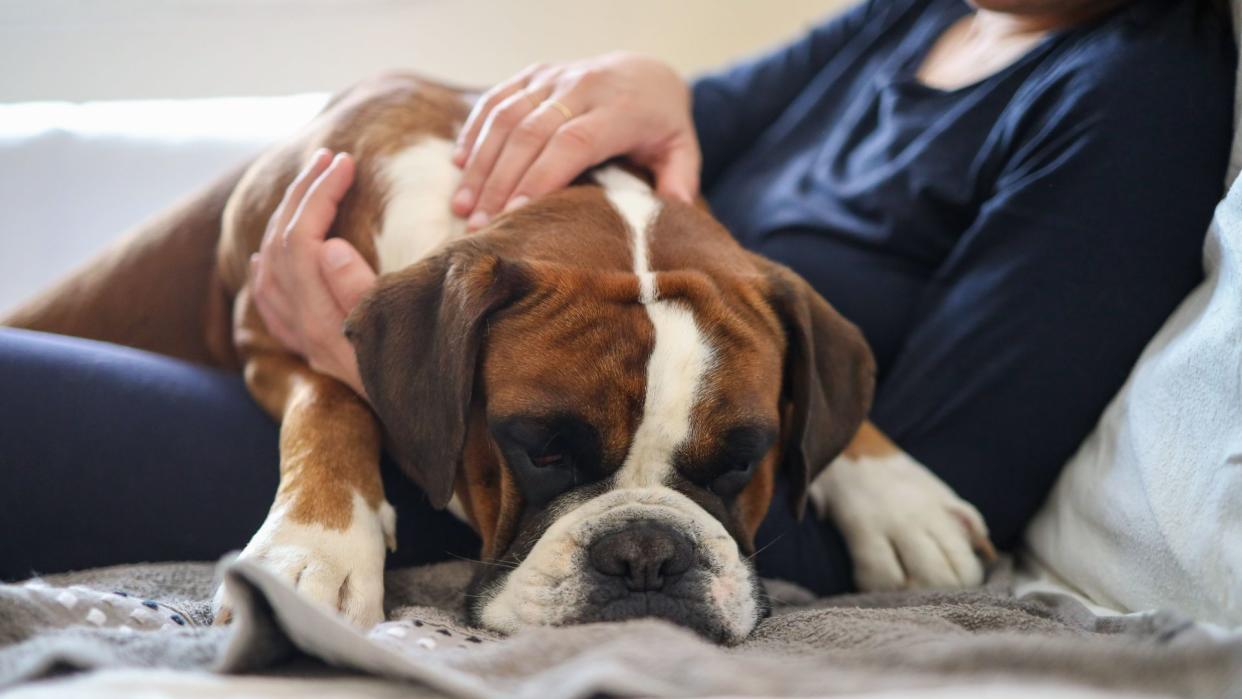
(349, 277)
(579, 144)
(492, 141)
(317, 209)
(484, 107)
(273, 305)
(294, 194)
(296, 190)
(302, 284)
(296, 305)
(519, 151)
(576, 146)
(293, 259)
(512, 147)
(677, 172)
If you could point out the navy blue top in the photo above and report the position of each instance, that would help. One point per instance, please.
(1007, 247)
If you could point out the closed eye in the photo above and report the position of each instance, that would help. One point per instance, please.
(545, 459)
(741, 451)
(548, 455)
(553, 453)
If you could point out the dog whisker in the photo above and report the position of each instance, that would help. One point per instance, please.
(765, 547)
(500, 563)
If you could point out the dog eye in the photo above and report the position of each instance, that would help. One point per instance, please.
(548, 459)
(743, 448)
(548, 456)
(552, 452)
(543, 473)
(731, 482)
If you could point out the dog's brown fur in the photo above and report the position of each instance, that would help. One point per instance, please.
(178, 286)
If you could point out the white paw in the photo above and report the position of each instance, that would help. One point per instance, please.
(904, 527)
(341, 570)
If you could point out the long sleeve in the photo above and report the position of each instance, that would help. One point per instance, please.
(732, 106)
(1091, 237)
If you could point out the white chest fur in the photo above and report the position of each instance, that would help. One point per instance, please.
(420, 179)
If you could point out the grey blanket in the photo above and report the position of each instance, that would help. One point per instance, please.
(158, 616)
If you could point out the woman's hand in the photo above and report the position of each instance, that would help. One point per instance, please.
(537, 131)
(304, 285)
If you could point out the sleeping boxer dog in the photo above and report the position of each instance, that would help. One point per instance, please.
(603, 383)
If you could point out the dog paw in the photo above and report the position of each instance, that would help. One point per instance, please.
(341, 570)
(904, 527)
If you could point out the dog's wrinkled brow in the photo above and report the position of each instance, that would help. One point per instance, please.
(735, 446)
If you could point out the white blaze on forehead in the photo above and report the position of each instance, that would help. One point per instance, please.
(681, 356)
(675, 371)
(419, 180)
(633, 199)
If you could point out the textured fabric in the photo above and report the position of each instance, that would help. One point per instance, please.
(1007, 247)
(809, 647)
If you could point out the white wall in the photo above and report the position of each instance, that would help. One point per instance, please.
(110, 49)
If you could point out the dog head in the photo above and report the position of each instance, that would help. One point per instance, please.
(609, 384)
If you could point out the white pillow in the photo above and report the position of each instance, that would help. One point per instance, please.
(73, 177)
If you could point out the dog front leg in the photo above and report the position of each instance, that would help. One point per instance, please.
(327, 530)
(905, 528)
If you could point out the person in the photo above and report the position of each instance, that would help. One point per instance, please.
(1007, 196)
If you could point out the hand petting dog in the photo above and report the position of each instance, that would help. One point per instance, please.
(305, 283)
(528, 136)
(535, 132)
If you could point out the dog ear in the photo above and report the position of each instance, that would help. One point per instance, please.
(418, 336)
(829, 377)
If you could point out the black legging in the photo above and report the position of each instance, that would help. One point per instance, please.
(112, 455)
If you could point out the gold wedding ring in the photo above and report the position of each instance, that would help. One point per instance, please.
(565, 111)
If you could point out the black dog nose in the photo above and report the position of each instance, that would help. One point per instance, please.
(645, 555)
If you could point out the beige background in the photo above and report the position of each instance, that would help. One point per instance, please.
(120, 49)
